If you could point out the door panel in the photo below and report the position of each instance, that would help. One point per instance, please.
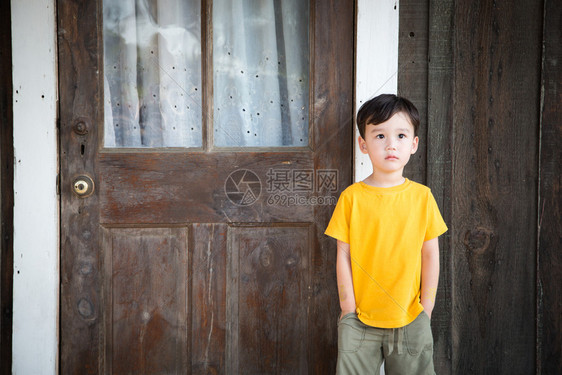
(190, 187)
(208, 290)
(203, 261)
(267, 299)
(145, 309)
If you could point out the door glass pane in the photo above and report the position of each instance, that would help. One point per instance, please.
(152, 73)
(260, 73)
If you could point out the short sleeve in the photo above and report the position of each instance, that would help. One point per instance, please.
(338, 227)
(435, 224)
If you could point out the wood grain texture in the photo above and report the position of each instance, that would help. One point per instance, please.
(413, 42)
(145, 300)
(333, 47)
(155, 187)
(208, 290)
(494, 184)
(549, 343)
(80, 69)
(439, 170)
(147, 199)
(6, 190)
(426, 77)
(268, 299)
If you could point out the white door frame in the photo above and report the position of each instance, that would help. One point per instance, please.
(36, 203)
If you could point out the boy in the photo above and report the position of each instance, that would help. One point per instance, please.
(387, 250)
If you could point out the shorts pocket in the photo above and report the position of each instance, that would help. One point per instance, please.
(346, 316)
(351, 333)
(418, 336)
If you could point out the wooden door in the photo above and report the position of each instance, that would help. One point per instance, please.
(206, 260)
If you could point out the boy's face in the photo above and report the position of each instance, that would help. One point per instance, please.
(389, 144)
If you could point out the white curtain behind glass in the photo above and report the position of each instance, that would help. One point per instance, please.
(260, 72)
(152, 82)
(152, 73)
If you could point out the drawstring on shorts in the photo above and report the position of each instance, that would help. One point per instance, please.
(396, 340)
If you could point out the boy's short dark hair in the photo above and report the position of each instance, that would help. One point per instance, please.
(381, 108)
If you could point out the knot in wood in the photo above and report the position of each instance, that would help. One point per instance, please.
(265, 257)
(291, 260)
(85, 308)
(477, 240)
(86, 268)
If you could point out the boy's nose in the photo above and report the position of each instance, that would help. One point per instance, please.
(390, 146)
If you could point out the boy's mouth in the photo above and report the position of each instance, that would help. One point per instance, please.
(391, 157)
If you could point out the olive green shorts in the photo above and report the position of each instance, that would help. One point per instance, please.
(406, 350)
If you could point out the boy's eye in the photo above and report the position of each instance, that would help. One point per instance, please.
(402, 136)
(379, 136)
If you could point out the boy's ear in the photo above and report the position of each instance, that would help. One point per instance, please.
(362, 144)
(415, 145)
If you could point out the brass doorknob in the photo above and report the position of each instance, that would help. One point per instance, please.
(83, 186)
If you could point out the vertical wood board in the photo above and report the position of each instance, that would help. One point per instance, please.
(208, 290)
(496, 101)
(269, 278)
(36, 200)
(426, 68)
(80, 301)
(333, 151)
(376, 63)
(145, 304)
(549, 342)
(413, 42)
(439, 170)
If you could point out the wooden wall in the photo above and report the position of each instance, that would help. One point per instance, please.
(486, 78)
(549, 280)
(6, 189)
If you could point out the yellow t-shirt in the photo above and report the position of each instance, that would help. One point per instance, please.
(386, 228)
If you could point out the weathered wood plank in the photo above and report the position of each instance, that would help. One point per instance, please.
(146, 188)
(413, 44)
(494, 185)
(426, 77)
(439, 174)
(549, 343)
(145, 300)
(269, 275)
(208, 290)
(80, 74)
(333, 146)
(6, 190)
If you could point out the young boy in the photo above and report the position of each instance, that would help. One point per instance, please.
(387, 250)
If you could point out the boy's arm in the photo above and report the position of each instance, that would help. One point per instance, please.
(345, 280)
(429, 274)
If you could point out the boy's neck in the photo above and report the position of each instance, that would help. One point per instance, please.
(384, 180)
